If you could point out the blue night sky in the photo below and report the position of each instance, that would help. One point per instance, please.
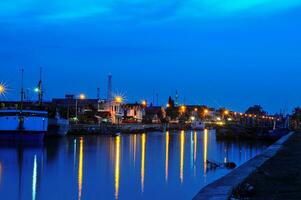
(231, 53)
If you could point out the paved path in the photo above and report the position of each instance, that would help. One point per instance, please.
(279, 177)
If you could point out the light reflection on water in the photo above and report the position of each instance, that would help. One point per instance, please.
(138, 166)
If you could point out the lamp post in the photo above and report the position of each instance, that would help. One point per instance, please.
(3, 89)
(81, 97)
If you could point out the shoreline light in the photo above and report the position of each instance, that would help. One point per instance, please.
(3, 89)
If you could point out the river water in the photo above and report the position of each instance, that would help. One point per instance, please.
(136, 166)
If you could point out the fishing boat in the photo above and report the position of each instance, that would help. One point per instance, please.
(23, 123)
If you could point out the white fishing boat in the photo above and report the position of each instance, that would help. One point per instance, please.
(23, 123)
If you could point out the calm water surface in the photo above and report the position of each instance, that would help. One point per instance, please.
(143, 166)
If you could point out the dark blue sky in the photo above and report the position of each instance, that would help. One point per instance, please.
(222, 53)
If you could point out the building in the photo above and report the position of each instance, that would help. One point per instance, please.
(133, 113)
(110, 111)
(72, 107)
(154, 114)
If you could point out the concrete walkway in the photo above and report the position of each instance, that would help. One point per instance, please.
(279, 177)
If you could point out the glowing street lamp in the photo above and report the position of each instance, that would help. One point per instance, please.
(183, 108)
(81, 97)
(206, 111)
(2, 89)
(36, 90)
(118, 99)
(144, 103)
(168, 105)
(226, 112)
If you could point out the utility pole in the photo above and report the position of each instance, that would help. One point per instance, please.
(22, 90)
(40, 91)
(98, 93)
(109, 96)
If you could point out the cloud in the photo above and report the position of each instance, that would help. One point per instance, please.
(49, 10)
(217, 8)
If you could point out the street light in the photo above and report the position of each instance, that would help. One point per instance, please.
(36, 90)
(3, 89)
(144, 103)
(81, 97)
(183, 108)
(118, 99)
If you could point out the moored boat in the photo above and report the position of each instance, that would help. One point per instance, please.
(23, 124)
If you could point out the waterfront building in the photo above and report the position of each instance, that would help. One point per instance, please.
(110, 111)
(133, 113)
(71, 107)
(154, 114)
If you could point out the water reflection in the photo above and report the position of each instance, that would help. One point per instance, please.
(205, 150)
(143, 141)
(117, 166)
(195, 142)
(135, 148)
(34, 178)
(104, 166)
(80, 168)
(166, 155)
(182, 151)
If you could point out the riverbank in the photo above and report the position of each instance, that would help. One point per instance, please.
(278, 178)
(223, 188)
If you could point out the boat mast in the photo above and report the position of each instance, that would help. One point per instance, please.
(40, 92)
(22, 90)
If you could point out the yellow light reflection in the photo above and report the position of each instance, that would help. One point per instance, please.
(195, 138)
(166, 156)
(205, 149)
(117, 166)
(143, 141)
(80, 168)
(182, 146)
(135, 148)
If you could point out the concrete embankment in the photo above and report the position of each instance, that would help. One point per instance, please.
(278, 178)
(222, 189)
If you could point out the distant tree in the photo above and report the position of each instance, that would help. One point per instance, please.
(171, 102)
(256, 110)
